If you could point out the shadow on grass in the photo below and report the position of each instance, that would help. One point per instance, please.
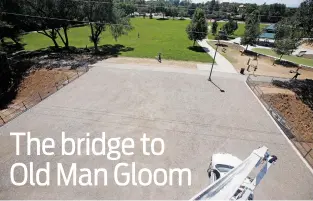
(52, 57)
(303, 89)
(196, 48)
(21, 62)
(113, 50)
(10, 47)
(162, 19)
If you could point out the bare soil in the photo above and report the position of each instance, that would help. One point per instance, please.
(298, 114)
(264, 64)
(36, 85)
(307, 46)
(42, 81)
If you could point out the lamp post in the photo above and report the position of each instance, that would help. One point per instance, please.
(213, 63)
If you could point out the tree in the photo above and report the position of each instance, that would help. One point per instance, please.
(48, 10)
(9, 31)
(191, 9)
(129, 8)
(45, 26)
(210, 6)
(287, 37)
(252, 29)
(103, 16)
(161, 7)
(198, 27)
(214, 27)
(151, 10)
(230, 27)
(65, 9)
(305, 17)
(6, 78)
(174, 11)
(216, 6)
(182, 13)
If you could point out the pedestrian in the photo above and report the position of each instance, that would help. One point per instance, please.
(159, 57)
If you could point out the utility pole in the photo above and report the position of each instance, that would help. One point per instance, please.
(213, 63)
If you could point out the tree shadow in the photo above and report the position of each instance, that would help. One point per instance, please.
(302, 88)
(162, 19)
(221, 45)
(284, 63)
(23, 62)
(72, 57)
(196, 48)
(10, 47)
(113, 50)
(19, 71)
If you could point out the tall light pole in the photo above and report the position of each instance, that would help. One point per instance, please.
(213, 62)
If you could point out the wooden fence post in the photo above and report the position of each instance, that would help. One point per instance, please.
(24, 105)
(2, 119)
(39, 96)
(308, 153)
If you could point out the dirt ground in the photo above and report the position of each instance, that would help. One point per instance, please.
(307, 46)
(42, 81)
(37, 82)
(298, 114)
(147, 61)
(265, 64)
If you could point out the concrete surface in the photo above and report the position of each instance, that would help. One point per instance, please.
(216, 68)
(223, 65)
(192, 116)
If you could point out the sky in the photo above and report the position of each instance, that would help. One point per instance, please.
(289, 3)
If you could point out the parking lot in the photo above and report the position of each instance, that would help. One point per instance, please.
(189, 113)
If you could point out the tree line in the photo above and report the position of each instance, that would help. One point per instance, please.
(47, 18)
(289, 31)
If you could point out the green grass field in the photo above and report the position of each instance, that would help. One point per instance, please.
(295, 59)
(165, 36)
(238, 33)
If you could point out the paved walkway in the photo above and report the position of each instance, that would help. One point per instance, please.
(223, 65)
(189, 113)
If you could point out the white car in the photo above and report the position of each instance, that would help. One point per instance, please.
(220, 165)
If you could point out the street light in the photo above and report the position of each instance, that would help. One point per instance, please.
(213, 63)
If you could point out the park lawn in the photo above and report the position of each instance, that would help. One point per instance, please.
(238, 33)
(166, 36)
(292, 58)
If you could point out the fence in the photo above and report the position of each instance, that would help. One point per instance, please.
(16, 109)
(254, 82)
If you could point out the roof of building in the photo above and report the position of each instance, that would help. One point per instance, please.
(272, 27)
(267, 35)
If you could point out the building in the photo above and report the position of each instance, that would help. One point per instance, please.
(267, 37)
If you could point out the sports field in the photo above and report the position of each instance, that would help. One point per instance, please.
(166, 36)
